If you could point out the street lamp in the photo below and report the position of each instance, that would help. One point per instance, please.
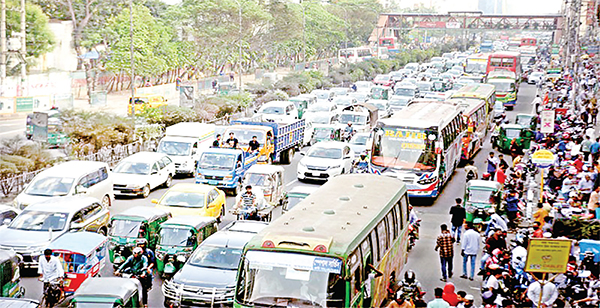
(240, 45)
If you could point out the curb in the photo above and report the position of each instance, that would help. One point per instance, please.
(12, 116)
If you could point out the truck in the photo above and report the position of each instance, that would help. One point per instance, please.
(224, 168)
(184, 142)
(277, 141)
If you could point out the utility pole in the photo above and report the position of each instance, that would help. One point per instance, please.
(2, 45)
(23, 41)
(131, 101)
(303, 34)
(240, 49)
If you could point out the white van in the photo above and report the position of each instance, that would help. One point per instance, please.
(89, 178)
(184, 142)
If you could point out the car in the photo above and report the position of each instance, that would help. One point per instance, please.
(328, 108)
(411, 80)
(344, 101)
(363, 86)
(324, 160)
(320, 118)
(185, 199)
(383, 107)
(340, 91)
(499, 111)
(297, 194)
(142, 172)
(414, 67)
(89, 178)
(360, 143)
(278, 111)
(8, 213)
(323, 95)
(535, 77)
(209, 275)
(383, 80)
(246, 226)
(406, 90)
(398, 103)
(40, 223)
(360, 96)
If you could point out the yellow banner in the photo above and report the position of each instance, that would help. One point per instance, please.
(547, 255)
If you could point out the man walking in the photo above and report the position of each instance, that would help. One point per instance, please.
(445, 243)
(492, 164)
(458, 216)
(469, 249)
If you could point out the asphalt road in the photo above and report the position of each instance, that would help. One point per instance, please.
(12, 127)
(422, 259)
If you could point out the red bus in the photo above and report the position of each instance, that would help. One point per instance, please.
(505, 60)
(528, 41)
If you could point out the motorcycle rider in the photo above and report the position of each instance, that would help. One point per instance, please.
(137, 265)
(471, 171)
(49, 269)
(143, 243)
(362, 163)
(248, 202)
(410, 287)
(348, 131)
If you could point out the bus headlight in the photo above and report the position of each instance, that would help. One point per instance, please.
(427, 181)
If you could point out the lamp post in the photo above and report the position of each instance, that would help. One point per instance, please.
(240, 45)
(131, 101)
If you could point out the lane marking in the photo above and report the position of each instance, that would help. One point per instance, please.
(292, 182)
(12, 131)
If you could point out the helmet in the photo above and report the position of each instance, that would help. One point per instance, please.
(410, 276)
(491, 211)
(349, 123)
(363, 154)
(137, 250)
(141, 242)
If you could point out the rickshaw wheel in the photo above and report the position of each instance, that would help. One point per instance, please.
(106, 201)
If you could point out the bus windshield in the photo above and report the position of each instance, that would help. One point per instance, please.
(475, 67)
(278, 279)
(503, 86)
(405, 148)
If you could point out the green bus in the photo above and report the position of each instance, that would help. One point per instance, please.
(318, 253)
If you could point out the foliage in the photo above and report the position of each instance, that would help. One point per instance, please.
(576, 228)
(90, 131)
(39, 39)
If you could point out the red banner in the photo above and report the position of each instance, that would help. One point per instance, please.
(431, 24)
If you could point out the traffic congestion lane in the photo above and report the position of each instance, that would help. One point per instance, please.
(423, 260)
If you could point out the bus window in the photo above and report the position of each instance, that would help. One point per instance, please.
(404, 208)
(356, 270)
(508, 62)
(383, 240)
(496, 62)
(391, 221)
(374, 246)
(399, 215)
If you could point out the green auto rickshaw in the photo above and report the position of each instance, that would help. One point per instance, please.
(381, 92)
(326, 133)
(9, 274)
(126, 228)
(527, 120)
(108, 292)
(480, 197)
(302, 103)
(56, 137)
(178, 238)
(228, 87)
(507, 133)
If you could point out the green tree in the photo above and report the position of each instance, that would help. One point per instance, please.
(39, 39)
(360, 18)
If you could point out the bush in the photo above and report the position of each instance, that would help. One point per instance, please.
(90, 131)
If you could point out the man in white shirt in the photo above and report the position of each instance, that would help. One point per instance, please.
(49, 268)
(549, 294)
(496, 222)
(536, 103)
(469, 249)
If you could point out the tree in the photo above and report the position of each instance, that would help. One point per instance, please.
(360, 18)
(39, 39)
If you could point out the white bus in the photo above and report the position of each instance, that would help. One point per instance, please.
(354, 55)
(420, 146)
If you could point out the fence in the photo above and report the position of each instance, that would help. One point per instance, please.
(110, 155)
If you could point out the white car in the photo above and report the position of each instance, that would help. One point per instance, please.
(360, 96)
(344, 101)
(363, 86)
(279, 111)
(384, 110)
(535, 77)
(360, 143)
(321, 108)
(325, 160)
(139, 173)
(323, 95)
(316, 118)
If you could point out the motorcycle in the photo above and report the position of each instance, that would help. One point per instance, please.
(121, 253)
(413, 234)
(53, 294)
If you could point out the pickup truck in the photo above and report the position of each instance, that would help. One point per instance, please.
(224, 168)
(278, 141)
(184, 142)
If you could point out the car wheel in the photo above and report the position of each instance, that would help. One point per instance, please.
(168, 182)
(221, 215)
(106, 201)
(146, 191)
(102, 231)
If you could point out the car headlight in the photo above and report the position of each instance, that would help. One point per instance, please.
(199, 176)
(427, 181)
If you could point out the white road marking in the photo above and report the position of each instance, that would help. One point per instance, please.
(12, 131)
(292, 182)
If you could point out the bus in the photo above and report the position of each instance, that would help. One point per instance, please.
(528, 41)
(420, 146)
(320, 253)
(354, 55)
(506, 60)
(476, 65)
(477, 101)
(506, 85)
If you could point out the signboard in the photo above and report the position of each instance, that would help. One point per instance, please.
(547, 121)
(431, 24)
(24, 104)
(547, 255)
(186, 96)
(453, 25)
(409, 139)
(39, 121)
(543, 158)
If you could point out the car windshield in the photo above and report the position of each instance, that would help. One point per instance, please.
(319, 108)
(523, 120)
(245, 135)
(132, 167)
(324, 133)
(476, 67)
(361, 97)
(176, 236)
(425, 86)
(400, 102)
(359, 139)
(125, 228)
(321, 94)
(272, 110)
(363, 84)
(280, 279)
(343, 101)
(480, 196)
(183, 199)
(330, 153)
(353, 118)
(405, 148)
(382, 77)
(216, 257)
(39, 221)
(502, 86)
(174, 148)
(50, 186)
(404, 92)
(217, 161)
(255, 179)
(513, 133)
(319, 118)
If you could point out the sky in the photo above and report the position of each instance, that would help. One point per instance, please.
(516, 7)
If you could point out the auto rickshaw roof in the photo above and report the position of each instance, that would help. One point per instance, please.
(9, 302)
(481, 184)
(511, 126)
(8, 254)
(265, 169)
(114, 287)
(141, 213)
(196, 222)
(78, 242)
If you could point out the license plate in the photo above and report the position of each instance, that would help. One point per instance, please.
(212, 182)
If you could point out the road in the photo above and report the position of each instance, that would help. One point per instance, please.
(422, 259)
(12, 127)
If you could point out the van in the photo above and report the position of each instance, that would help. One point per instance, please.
(89, 178)
(184, 142)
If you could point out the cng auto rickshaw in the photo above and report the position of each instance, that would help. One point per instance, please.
(82, 254)
(326, 133)
(302, 103)
(56, 136)
(140, 222)
(527, 120)
(108, 292)
(10, 276)
(178, 238)
(381, 92)
(509, 132)
(143, 101)
(480, 197)
(226, 88)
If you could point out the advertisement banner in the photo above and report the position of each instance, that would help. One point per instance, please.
(547, 255)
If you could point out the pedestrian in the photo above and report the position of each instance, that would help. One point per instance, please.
(491, 286)
(585, 148)
(586, 186)
(594, 201)
(469, 249)
(501, 175)
(471, 171)
(502, 163)
(549, 293)
(512, 208)
(438, 302)
(536, 103)
(215, 84)
(537, 230)
(449, 295)
(217, 142)
(467, 302)
(458, 217)
(540, 214)
(445, 246)
(595, 149)
(492, 164)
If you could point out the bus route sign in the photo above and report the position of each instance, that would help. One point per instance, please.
(547, 255)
